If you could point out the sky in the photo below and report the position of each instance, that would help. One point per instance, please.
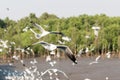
(17, 9)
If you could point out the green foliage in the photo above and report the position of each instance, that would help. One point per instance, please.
(74, 27)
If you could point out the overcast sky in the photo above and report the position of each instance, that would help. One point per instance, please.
(17, 9)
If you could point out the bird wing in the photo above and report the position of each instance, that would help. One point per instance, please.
(36, 34)
(39, 27)
(68, 52)
(42, 43)
(33, 31)
(62, 34)
(46, 45)
(55, 32)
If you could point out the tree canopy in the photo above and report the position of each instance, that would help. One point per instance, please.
(75, 27)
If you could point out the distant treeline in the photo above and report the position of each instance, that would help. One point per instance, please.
(75, 27)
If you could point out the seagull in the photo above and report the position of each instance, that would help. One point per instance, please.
(80, 52)
(96, 30)
(108, 55)
(96, 60)
(86, 50)
(44, 32)
(52, 47)
(33, 62)
(4, 43)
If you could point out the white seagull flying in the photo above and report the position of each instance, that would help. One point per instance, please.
(52, 47)
(44, 33)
